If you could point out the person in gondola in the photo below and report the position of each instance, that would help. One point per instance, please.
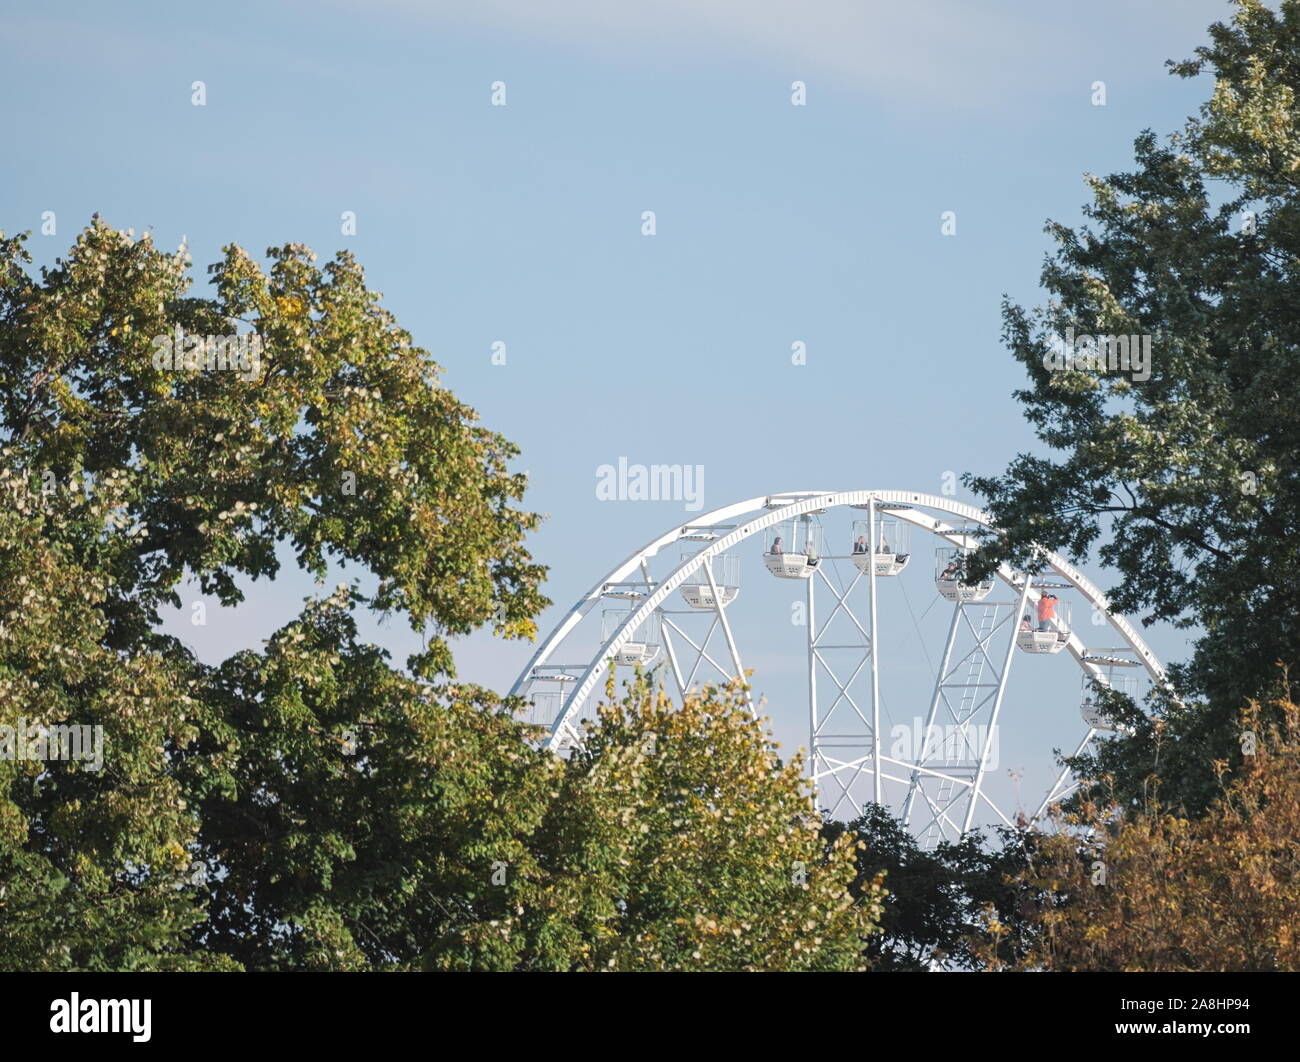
(776, 545)
(1047, 612)
(860, 546)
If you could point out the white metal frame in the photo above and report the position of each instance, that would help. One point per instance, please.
(950, 803)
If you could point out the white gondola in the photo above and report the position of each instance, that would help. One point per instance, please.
(949, 568)
(642, 648)
(725, 569)
(1090, 707)
(893, 542)
(542, 708)
(793, 548)
(1045, 626)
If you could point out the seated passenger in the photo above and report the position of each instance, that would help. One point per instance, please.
(776, 545)
(860, 546)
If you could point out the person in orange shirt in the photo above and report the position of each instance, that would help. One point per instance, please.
(1047, 612)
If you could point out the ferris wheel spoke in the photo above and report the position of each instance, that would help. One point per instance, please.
(996, 810)
(1057, 793)
(997, 711)
(841, 605)
(702, 655)
(720, 609)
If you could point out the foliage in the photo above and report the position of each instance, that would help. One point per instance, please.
(92, 862)
(122, 478)
(1184, 482)
(308, 805)
(1155, 890)
(687, 844)
(938, 897)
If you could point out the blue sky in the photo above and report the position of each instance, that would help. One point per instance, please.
(522, 224)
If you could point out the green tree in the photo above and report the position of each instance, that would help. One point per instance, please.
(939, 898)
(359, 812)
(1184, 482)
(127, 474)
(309, 805)
(368, 825)
(93, 863)
(687, 843)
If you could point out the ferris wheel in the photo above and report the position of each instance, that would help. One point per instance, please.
(675, 607)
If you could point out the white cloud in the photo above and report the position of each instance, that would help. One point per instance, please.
(953, 53)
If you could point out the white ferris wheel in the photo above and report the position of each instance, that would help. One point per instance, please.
(674, 606)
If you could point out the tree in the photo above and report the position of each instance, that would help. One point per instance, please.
(356, 814)
(938, 898)
(145, 439)
(1150, 889)
(93, 861)
(1181, 471)
(685, 843)
(309, 805)
(371, 826)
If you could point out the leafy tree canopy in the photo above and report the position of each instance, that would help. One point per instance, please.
(1185, 482)
(308, 805)
(1154, 890)
(939, 898)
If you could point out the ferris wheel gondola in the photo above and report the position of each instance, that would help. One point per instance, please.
(950, 576)
(1049, 632)
(886, 552)
(716, 582)
(794, 548)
